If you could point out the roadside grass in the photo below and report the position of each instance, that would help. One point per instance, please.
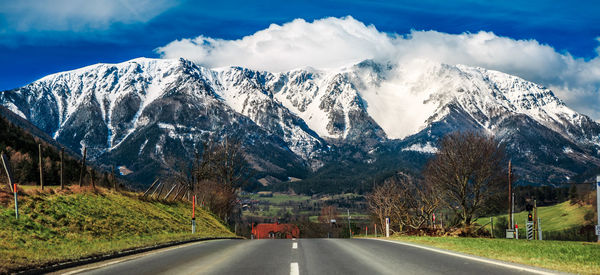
(71, 224)
(572, 257)
(556, 217)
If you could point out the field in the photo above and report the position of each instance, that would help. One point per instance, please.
(279, 198)
(55, 226)
(573, 257)
(553, 218)
(278, 204)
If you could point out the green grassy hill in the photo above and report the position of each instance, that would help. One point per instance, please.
(64, 225)
(558, 217)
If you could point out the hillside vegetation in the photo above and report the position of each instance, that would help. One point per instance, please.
(56, 226)
(555, 218)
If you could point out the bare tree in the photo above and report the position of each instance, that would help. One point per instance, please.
(468, 170)
(407, 203)
(328, 213)
(215, 176)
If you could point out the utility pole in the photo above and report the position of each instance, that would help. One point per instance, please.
(82, 168)
(513, 210)
(349, 230)
(535, 218)
(510, 221)
(194, 215)
(62, 155)
(40, 161)
(598, 206)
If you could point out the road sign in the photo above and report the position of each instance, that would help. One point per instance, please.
(597, 230)
(529, 230)
(510, 233)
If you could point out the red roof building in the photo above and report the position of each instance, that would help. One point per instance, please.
(275, 231)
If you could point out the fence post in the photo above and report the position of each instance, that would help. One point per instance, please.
(82, 167)
(62, 153)
(492, 222)
(40, 161)
(6, 165)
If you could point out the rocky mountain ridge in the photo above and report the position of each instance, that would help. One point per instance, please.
(145, 113)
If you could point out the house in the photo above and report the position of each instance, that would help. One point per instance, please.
(275, 231)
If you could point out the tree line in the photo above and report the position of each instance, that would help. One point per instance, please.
(23, 151)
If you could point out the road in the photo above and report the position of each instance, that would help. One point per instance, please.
(302, 256)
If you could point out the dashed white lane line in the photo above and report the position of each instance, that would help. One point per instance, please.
(294, 245)
(294, 269)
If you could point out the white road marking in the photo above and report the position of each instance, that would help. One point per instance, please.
(487, 261)
(294, 269)
(106, 263)
(294, 245)
(293, 239)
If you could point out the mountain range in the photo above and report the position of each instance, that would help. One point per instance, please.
(145, 114)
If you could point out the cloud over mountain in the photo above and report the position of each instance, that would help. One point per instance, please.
(334, 42)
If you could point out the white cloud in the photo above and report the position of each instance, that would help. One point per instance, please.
(75, 15)
(335, 42)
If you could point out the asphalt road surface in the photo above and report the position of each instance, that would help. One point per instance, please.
(302, 256)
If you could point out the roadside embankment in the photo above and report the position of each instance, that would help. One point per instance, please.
(56, 226)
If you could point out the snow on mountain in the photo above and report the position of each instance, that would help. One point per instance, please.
(157, 105)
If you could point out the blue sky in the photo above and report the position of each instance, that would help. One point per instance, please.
(43, 37)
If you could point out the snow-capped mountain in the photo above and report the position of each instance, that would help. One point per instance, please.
(144, 112)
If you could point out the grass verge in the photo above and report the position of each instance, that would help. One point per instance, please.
(72, 224)
(572, 257)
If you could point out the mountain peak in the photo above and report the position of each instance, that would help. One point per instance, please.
(154, 107)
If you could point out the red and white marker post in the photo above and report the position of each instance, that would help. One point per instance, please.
(16, 202)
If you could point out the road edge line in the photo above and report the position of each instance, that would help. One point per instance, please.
(54, 267)
(476, 258)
